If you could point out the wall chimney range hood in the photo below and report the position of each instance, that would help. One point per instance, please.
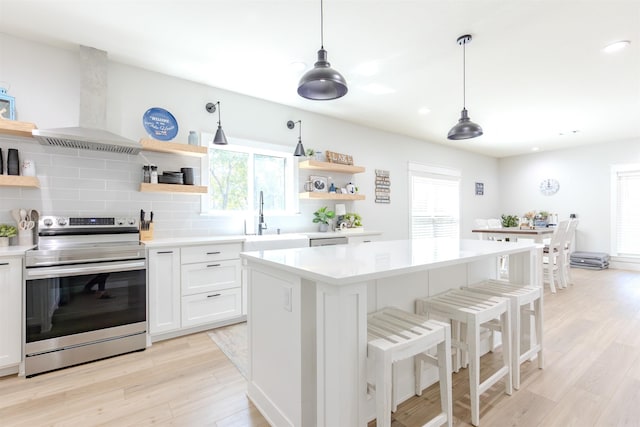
(90, 134)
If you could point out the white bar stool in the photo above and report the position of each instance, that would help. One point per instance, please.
(521, 298)
(473, 309)
(395, 335)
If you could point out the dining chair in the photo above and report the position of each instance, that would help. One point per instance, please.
(566, 250)
(553, 257)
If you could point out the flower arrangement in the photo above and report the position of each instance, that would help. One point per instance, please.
(530, 215)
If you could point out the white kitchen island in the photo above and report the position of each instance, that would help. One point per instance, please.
(307, 317)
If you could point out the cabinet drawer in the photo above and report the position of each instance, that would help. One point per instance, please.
(210, 276)
(211, 307)
(191, 254)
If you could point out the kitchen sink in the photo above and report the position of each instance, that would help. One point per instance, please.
(275, 241)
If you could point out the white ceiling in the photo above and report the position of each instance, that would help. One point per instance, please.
(535, 69)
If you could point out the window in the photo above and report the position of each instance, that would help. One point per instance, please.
(239, 171)
(435, 201)
(626, 210)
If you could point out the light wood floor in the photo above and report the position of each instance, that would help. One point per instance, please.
(591, 377)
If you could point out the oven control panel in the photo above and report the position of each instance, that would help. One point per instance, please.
(52, 222)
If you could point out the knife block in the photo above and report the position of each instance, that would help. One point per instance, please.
(146, 235)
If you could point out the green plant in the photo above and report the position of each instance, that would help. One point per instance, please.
(353, 219)
(323, 215)
(310, 152)
(8, 230)
(543, 214)
(510, 221)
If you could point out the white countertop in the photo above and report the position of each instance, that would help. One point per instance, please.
(6, 251)
(239, 238)
(344, 264)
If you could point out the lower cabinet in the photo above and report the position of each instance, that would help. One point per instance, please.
(193, 286)
(10, 311)
(164, 290)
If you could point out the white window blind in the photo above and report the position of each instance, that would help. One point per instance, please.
(435, 202)
(627, 213)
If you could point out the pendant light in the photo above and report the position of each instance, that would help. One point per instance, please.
(322, 82)
(299, 148)
(465, 128)
(220, 138)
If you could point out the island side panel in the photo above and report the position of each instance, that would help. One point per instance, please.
(341, 319)
(275, 344)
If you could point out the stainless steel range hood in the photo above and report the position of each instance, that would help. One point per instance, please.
(90, 135)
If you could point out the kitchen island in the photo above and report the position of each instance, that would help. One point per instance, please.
(307, 317)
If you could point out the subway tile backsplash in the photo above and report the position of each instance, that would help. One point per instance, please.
(92, 183)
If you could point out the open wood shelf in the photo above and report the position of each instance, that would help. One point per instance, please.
(330, 196)
(330, 167)
(173, 188)
(16, 128)
(19, 181)
(173, 148)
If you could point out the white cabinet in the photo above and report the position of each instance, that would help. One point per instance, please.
(193, 286)
(211, 283)
(10, 311)
(363, 239)
(164, 290)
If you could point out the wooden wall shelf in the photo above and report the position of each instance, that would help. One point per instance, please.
(330, 167)
(330, 196)
(16, 128)
(173, 148)
(173, 188)
(19, 181)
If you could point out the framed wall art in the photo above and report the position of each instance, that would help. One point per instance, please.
(7, 105)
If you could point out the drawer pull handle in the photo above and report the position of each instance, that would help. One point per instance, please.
(213, 253)
(4, 263)
(213, 265)
(214, 295)
(165, 252)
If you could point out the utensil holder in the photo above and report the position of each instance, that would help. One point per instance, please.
(25, 237)
(146, 235)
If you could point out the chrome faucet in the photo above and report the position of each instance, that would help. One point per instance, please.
(261, 224)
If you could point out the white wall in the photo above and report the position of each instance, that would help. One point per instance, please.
(45, 82)
(584, 175)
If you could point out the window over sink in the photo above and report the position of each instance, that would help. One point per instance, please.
(237, 172)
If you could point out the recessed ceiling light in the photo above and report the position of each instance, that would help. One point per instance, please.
(424, 111)
(378, 89)
(614, 47)
(535, 148)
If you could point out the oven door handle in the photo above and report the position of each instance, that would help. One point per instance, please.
(79, 270)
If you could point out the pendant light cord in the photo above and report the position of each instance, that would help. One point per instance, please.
(321, 26)
(464, 77)
(219, 115)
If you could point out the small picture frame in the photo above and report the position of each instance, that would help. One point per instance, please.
(7, 105)
(319, 184)
(479, 188)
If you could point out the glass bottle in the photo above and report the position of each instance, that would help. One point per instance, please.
(154, 174)
(146, 173)
(193, 138)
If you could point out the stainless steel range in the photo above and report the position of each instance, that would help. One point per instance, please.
(86, 292)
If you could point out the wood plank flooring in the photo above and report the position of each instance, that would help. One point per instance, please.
(591, 376)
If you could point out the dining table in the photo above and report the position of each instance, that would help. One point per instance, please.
(515, 233)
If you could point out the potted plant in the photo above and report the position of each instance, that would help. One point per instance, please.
(323, 217)
(7, 231)
(510, 221)
(353, 220)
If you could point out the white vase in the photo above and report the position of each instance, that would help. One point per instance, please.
(4, 241)
(323, 227)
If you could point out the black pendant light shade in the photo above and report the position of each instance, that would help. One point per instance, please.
(219, 138)
(322, 82)
(465, 128)
(299, 147)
